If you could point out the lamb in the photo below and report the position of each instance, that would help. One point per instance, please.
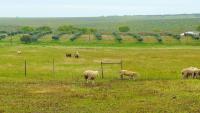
(90, 75)
(189, 72)
(76, 55)
(19, 52)
(131, 74)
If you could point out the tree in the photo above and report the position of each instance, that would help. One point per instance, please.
(66, 29)
(27, 29)
(91, 31)
(124, 29)
(56, 37)
(198, 28)
(88, 31)
(26, 39)
(44, 29)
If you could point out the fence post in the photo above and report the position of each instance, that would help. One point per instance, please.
(53, 67)
(102, 69)
(121, 65)
(25, 68)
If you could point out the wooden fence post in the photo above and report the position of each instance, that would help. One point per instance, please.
(25, 68)
(121, 65)
(102, 69)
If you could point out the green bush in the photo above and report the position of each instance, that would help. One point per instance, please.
(178, 37)
(124, 29)
(98, 36)
(26, 39)
(158, 37)
(117, 36)
(2, 36)
(75, 36)
(137, 36)
(55, 37)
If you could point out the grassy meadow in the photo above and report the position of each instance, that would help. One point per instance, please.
(159, 89)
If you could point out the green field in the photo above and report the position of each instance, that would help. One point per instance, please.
(55, 84)
(155, 23)
(159, 88)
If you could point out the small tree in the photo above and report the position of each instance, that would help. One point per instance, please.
(198, 28)
(44, 29)
(117, 37)
(26, 39)
(55, 37)
(158, 37)
(124, 29)
(26, 29)
(66, 29)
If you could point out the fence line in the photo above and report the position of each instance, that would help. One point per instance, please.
(110, 63)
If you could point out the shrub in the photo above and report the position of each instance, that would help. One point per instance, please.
(2, 36)
(178, 37)
(137, 36)
(55, 37)
(117, 37)
(27, 29)
(67, 29)
(198, 28)
(34, 38)
(26, 39)
(158, 37)
(124, 29)
(98, 36)
(75, 36)
(44, 29)
(140, 39)
(3, 32)
(195, 37)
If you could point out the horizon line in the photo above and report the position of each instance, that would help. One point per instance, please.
(101, 16)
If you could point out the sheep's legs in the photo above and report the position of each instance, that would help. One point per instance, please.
(122, 77)
(87, 81)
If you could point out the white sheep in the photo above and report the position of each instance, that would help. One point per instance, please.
(189, 72)
(19, 52)
(130, 74)
(77, 55)
(90, 75)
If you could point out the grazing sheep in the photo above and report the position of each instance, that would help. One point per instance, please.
(90, 75)
(196, 73)
(68, 55)
(19, 52)
(131, 74)
(189, 72)
(76, 55)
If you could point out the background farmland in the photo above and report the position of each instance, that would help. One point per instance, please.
(55, 84)
(156, 23)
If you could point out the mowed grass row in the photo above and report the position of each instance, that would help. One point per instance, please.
(159, 88)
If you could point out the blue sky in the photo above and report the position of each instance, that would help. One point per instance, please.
(88, 8)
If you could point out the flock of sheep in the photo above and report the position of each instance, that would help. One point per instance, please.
(91, 75)
(76, 55)
(191, 72)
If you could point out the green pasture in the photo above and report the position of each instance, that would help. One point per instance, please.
(159, 89)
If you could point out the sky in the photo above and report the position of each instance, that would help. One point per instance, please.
(94, 8)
